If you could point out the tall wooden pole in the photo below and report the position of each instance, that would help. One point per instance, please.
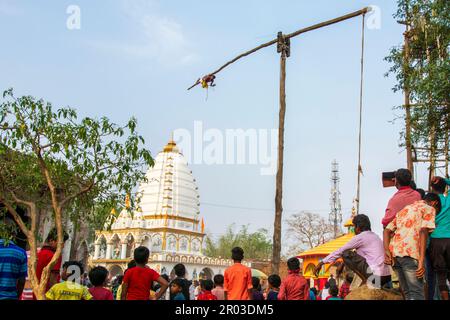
(283, 48)
(409, 158)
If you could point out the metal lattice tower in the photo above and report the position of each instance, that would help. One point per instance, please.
(335, 200)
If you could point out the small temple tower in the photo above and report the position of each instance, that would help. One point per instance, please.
(168, 223)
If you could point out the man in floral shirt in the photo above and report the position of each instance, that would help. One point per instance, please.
(405, 240)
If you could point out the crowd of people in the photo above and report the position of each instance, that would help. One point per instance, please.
(415, 247)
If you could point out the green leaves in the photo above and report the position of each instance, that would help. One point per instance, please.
(256, 245)
(93, 163)
(427, 70)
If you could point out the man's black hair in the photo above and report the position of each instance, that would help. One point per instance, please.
(439, 186)
(207, 285)
(422, 192)
(98, 276)
(293, 263)
(256, 283)
(73, 264)
(274, 280)
(53, 235)
(177, 282)
(218, 280)
(131, 264)
(141, 254)
(327, 285)
(429, 197)
(362, 221)
(237, 254)
(180, 270)
(314, 290)
(165, 277)
(333, 291)
(403, 177)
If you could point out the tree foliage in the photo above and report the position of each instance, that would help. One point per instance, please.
(308, 230)
(425, 70)
(256, 245)
(80, 169)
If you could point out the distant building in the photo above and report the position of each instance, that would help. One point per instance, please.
(312, 257)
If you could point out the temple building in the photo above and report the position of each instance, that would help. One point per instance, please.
(168, 223)
(312, 257)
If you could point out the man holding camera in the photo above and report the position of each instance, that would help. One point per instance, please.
(406, 195)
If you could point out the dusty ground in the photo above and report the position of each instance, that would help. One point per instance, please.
(364, 293)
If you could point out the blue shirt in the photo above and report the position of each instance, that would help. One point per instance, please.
(13, 266)
(442, 229)
(179, 296)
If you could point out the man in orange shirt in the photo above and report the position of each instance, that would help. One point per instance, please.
(237, 278)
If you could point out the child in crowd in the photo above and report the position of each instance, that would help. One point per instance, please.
(274, 287)
(116, 287)
(70, 288)
(176, 289)
(294, 286)
(256, 289)
(333, 291)
(218, 287)
(98, 277)
(345, 288)
(137, 282)
(206, 287)
(313, 294)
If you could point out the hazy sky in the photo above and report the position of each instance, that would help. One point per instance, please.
(136, 58)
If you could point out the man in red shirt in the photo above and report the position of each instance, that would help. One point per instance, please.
(402, 198)
(45, 255)
(137, 282)
(206, 294)
(237, 278)
(294, 286)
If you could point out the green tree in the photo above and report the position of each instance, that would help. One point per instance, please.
(79, 169)
(422, 68)
(256, 245)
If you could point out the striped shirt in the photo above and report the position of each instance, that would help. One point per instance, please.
(13, 266)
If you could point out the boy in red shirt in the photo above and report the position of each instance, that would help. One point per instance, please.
(294, 286)
(137, 282)
(206, 294)
(97, 277)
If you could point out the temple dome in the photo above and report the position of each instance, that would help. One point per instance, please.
(170, 188)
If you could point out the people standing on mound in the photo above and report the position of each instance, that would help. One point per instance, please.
(405, 242)
(405, 195)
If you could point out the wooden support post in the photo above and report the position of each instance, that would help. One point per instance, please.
(283, 47)
(409, 158)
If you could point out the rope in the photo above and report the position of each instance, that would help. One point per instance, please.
(360, 114)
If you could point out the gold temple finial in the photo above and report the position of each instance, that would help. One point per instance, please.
(171, 146)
